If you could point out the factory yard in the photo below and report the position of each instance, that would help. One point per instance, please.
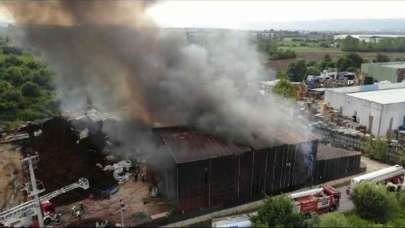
(133, 194)
(11, 178)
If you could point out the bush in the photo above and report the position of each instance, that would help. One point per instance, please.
(401, 200)
(333, 220)
(278, 211)
(356, 221)
(285, 89)
(29, 115)
(375, 148)
(374, 202)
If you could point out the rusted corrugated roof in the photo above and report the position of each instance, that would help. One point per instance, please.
(280, 137)
(187, 145)
(328, 152)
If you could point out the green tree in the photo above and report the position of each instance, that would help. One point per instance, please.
(327, 58)
(376, 148)
(333, 220)
(5, 86)
(349, 60)
(281, 75)
(42, 78)
(14, 75)
(12, 60)
(13, 96)
(380, 58)
(312, 70)
(374, 202)
(350, 44)
(297, 71)
(26, 91)
(285, 88)
(278, 211)
(352, 69)
(30, 89)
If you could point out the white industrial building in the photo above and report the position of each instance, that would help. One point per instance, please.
(379, 107)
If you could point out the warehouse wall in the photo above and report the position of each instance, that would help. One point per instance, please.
(364, 109)
(396, 112)
(231, 180)
(379, 72)
(336, 168)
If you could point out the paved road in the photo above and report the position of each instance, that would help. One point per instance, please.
(345, 203)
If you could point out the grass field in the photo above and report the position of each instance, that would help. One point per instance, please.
(317, 53)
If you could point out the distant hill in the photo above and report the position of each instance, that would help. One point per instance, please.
(367, 25)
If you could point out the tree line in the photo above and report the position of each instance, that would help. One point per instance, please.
(299, 70)
(381, 45)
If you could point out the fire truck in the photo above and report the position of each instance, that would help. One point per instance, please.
(22, 215)
(317, 201)
(392, 177)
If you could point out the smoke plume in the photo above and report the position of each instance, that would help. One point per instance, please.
(109, 52)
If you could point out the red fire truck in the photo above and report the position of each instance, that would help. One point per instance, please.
(318, 200)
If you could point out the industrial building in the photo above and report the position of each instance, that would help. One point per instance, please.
(379, 107)
(388, 71)
(206, 172)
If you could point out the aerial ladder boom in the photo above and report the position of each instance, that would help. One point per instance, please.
(28, 208)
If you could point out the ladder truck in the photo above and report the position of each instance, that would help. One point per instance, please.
(392, 177)
(22, 214)
(318, 200)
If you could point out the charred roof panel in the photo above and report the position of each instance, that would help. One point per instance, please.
(328, 152)
(187, 145)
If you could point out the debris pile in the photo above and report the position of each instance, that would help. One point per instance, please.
(66, 155)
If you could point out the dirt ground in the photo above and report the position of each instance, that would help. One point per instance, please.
(132, 194)
(11, 176)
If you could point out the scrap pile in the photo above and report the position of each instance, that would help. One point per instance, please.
(67, 155)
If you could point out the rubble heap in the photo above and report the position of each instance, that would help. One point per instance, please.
(67, 155)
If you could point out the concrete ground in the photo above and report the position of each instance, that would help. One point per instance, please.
(345, 203)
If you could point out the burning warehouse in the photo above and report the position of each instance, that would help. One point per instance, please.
(192, 169)
(204, 171)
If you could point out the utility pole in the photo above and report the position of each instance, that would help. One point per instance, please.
(122, 210)
(35, 192)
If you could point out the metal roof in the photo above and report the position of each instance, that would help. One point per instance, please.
(399, 64)
(364, 88)
(396, 65)
(382, 96)
(328, 152)
(187, 145)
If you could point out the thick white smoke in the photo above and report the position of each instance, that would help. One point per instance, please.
(156, 75)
